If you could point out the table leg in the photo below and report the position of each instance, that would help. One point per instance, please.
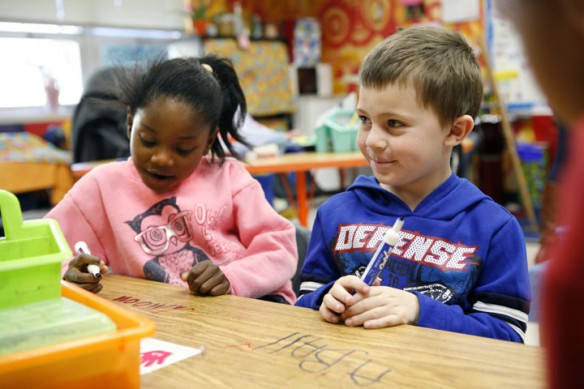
(63, 182)
(301, 197)
(342, 178)
(286, 184)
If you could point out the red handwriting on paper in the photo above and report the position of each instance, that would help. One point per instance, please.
(147, 304)
(315, 356)
(149, 358)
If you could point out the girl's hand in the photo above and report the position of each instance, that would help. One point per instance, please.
(382, 307)
(206, 278)
(340, 296)
(77, 272)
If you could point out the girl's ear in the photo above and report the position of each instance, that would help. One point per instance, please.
(129, 121)
(459, 130)
(212, 136)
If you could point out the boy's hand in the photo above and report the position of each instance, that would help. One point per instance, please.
(206, 278)
(77, 272)
(340, 296)
(382, 307)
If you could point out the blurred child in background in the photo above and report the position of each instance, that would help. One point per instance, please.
(553, 35)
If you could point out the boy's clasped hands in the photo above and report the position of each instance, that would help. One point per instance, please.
(355, 303)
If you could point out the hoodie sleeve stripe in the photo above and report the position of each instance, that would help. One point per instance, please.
(514, 318)
(501, 310)
(309, 286)
(519, 332)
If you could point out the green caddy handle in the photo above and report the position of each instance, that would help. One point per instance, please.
(11, 214)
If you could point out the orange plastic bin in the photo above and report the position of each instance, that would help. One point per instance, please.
(103, 361)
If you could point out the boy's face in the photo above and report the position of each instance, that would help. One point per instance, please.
(167, 141)
(403, 141)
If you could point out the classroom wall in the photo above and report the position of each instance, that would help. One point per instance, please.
(350, 28)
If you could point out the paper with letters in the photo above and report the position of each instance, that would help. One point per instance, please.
(156, 354)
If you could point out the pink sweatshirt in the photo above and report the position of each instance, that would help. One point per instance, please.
(218, 213)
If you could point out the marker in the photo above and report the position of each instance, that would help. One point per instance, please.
(81, 248)
(383, 253)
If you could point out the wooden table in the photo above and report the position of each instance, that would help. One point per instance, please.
(299, 163)
(22, 177)
(256, 344)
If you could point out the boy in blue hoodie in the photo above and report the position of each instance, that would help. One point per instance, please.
(460, 262)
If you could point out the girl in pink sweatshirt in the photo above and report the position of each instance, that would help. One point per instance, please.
(171, 213)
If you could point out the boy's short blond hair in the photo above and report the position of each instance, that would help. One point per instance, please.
(437, 62)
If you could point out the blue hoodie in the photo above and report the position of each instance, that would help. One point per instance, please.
(461, 253)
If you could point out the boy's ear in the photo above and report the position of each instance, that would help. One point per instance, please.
(459, 130)
(129, 121)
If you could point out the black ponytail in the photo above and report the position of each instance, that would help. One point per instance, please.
(234, 106)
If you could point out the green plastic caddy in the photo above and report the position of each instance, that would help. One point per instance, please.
(31, 253)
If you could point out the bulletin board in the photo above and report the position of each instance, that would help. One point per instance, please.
(517, 85)
(351, 28)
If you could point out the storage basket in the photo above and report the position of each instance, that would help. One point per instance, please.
(338, 132)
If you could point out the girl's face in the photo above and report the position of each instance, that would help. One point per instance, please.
(404, 143)
(167, 141)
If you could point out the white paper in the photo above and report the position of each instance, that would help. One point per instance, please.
(456, 11)
(156, 354)
(517, 85)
